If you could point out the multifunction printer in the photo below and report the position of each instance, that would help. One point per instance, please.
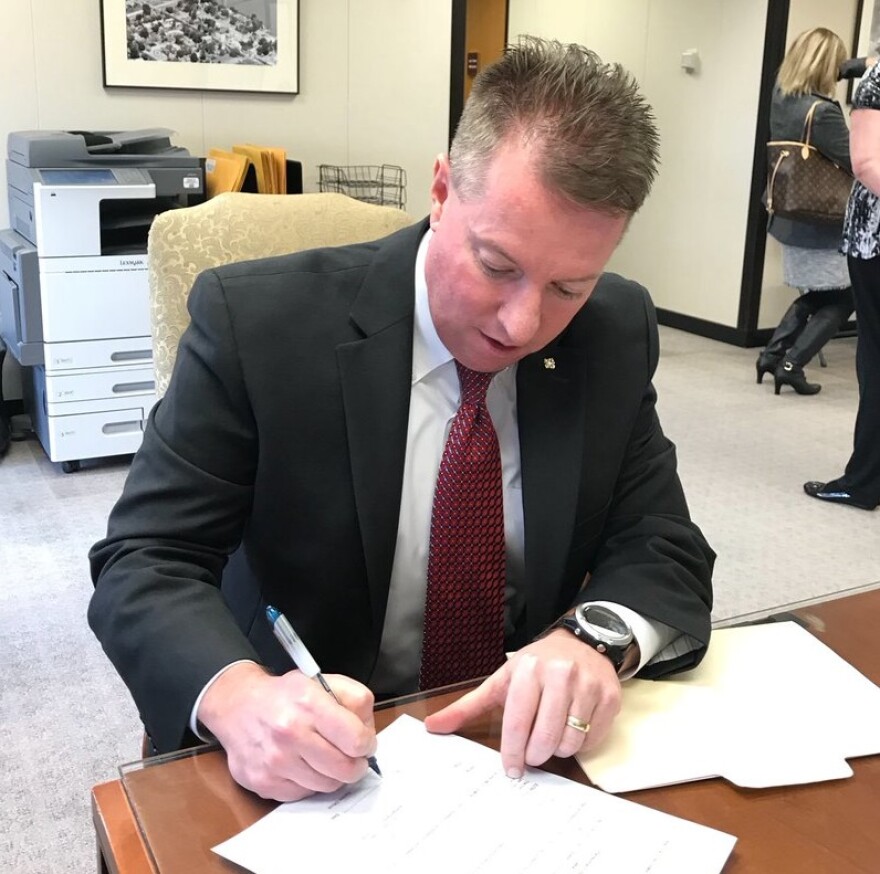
(74, 300)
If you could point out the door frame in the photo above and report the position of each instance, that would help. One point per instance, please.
(755, 248)
(458, 47)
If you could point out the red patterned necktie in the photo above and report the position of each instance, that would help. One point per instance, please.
(464, 608)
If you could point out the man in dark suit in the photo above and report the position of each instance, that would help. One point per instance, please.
(294, 460)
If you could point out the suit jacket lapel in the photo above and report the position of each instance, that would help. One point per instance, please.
(567, 454)
(376, 376)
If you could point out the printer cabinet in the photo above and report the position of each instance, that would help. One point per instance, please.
(96, 385)
(74, 297)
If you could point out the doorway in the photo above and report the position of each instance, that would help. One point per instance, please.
(479, 35)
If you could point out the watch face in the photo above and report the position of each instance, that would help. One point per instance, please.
(608, 624)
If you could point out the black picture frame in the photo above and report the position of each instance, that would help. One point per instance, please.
(867, 21)
(219, 45)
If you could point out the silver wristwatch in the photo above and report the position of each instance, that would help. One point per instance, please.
(605, 631)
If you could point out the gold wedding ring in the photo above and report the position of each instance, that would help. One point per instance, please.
(577, 724)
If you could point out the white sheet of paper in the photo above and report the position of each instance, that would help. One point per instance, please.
(445, 805)
(770, 705)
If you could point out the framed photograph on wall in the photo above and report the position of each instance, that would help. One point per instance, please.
(204, 45)
(866, 36)
(867, 26)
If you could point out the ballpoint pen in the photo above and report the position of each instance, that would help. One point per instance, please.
(303, 659)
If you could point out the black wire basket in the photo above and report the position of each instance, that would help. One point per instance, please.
(384, 184)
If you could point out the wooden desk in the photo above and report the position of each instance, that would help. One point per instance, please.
(165, 817)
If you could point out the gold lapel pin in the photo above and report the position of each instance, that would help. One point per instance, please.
(549, 364)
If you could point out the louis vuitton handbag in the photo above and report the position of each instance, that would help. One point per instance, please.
(802, 183)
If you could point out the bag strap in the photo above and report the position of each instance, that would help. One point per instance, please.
(771, 182)
(808, 122)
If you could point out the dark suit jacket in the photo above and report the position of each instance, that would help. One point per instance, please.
(281, 442)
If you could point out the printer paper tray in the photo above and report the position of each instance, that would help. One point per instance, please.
(88, 354)
(94, 306)
(64, 389)
(94, 435)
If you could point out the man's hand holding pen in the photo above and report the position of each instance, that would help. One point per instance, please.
(285, 737)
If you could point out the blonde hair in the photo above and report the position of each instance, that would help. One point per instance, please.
(595, 136)
(812, 63)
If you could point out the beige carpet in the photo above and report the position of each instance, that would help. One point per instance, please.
(744, 454)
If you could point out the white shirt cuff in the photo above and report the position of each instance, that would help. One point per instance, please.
(195, 726)
(653, 637)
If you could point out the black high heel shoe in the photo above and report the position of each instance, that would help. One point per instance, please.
(766, 364)
(792, 374)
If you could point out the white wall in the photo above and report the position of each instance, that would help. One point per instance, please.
(365, 97)
(686, 244)
(615, 30)
(399, 59)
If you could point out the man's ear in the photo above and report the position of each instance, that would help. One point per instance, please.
(440, 187)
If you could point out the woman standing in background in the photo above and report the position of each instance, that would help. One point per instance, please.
(810, 256)
(860, 484)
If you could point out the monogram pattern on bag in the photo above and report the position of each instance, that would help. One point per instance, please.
(803, 184)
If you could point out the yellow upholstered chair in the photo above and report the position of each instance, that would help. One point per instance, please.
(239, 227)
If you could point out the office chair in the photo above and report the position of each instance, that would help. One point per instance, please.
(239, 227)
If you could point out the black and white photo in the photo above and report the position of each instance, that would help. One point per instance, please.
(201, 31)
(216, 45)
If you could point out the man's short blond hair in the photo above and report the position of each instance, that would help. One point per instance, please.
(812, 63)
(592, 133)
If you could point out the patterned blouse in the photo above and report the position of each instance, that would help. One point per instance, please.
(861, 227)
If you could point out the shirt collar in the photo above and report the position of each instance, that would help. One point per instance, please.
(429, 353)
